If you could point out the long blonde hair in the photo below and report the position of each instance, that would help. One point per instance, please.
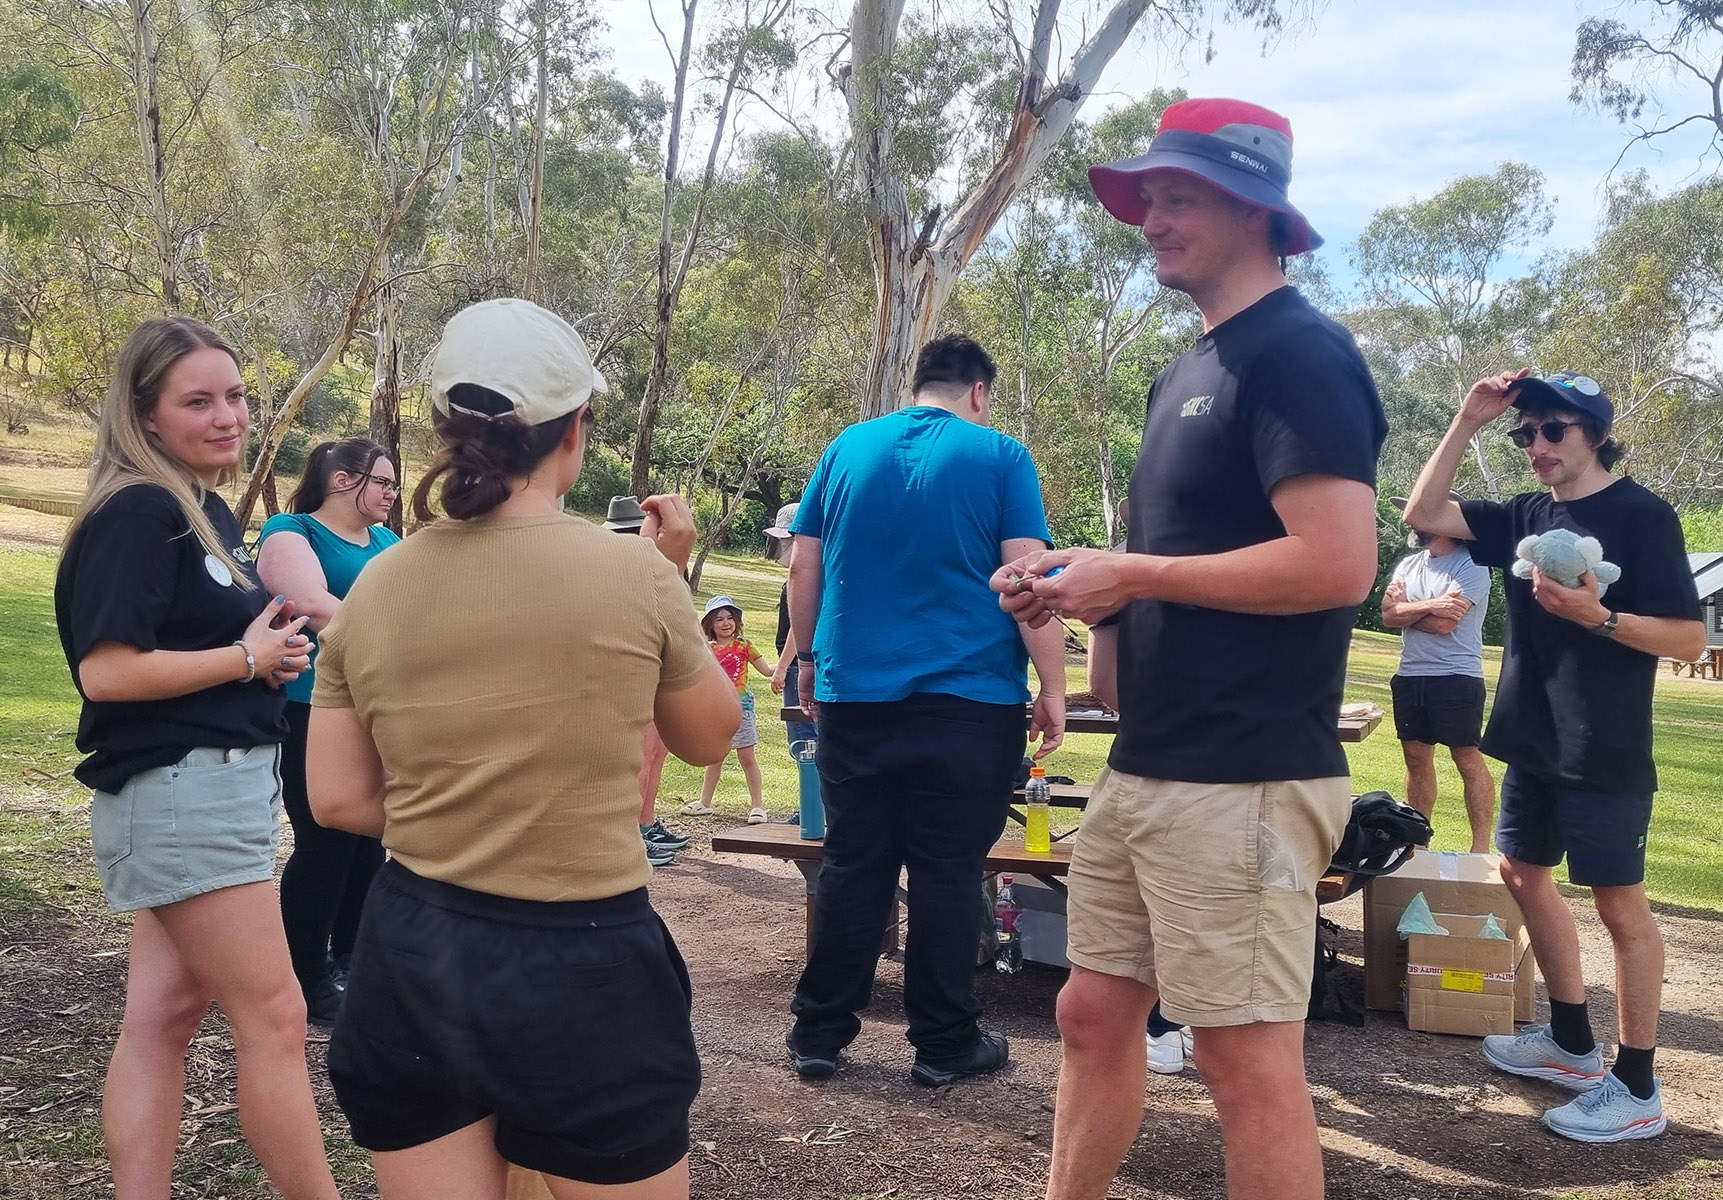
(127, 453)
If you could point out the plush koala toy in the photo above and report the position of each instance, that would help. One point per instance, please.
(1564, 556)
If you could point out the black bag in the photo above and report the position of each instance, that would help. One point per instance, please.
(1380, 836)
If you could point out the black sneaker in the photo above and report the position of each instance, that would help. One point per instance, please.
(339, 968)
(322, 1003)
(656, 835)
(659, 856)
(793, 817)
(813, 1066)
(991, 1053)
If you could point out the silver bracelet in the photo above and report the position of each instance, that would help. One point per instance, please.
(250, 662)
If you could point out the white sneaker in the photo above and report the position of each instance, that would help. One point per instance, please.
(1609, 1113)
(1533, 1053)
(1169, 1051)
(696, 809)
(758, 816)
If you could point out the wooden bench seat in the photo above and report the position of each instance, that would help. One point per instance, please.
(786, 842)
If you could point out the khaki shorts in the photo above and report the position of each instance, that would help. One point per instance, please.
(1206, 891)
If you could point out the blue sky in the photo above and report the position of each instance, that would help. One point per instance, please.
(1389, 100)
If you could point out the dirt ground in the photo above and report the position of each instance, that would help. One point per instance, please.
(1404, 1115)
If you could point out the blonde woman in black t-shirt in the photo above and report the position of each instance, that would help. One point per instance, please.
(178, 655)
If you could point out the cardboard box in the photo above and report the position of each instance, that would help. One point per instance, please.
(1464, 884)
(1463, 982)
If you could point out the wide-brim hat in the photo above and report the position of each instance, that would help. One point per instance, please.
(528, 355)
(1243, 149)
(780, 526)
(1564, 389)
(624, 514)
(718, 604)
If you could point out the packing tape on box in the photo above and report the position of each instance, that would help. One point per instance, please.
(1460, 981)
(1448, 865)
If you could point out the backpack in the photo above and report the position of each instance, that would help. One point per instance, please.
(1380, 836)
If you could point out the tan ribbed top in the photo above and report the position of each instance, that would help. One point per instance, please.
(506, 668)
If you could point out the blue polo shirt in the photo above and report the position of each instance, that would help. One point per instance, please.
(910, 509)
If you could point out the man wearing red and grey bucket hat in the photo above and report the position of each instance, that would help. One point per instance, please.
(1252, 539)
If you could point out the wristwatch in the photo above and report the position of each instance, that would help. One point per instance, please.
(1606, 627)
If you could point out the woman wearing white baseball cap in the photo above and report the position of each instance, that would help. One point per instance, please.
(480, 703)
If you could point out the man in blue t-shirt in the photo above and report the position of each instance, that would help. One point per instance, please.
(1573, 723)
(918, 680)
(1252, 539)
(1437, 598)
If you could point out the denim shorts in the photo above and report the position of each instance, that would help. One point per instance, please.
(209, 821)
(748, 732)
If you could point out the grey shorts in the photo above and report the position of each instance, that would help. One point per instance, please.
(748, 732)
(209, 821)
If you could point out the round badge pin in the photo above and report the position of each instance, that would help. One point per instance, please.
(218, 570)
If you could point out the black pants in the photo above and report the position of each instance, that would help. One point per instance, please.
(922, 783)
(324, 883)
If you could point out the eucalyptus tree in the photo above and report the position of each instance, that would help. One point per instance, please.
(918, 255)
(1436, 290)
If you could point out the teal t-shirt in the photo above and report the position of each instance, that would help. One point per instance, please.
(341, 560)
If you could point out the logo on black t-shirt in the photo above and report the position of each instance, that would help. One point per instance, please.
(1197, 406)
(218, 570)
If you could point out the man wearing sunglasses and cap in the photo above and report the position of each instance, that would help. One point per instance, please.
(1253, 538)
(1572, 721)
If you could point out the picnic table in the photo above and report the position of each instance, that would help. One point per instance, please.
(1007, 854)
(1709, 665)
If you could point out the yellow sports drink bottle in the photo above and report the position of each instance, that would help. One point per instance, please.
(1037, 838)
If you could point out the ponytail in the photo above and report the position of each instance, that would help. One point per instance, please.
(351, 456)
(481, 455)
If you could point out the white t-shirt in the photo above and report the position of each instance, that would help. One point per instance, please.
(1456, 653)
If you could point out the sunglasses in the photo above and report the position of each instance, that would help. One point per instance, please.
(1554, 431)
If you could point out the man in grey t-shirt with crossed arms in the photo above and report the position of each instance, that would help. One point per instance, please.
(1438, 597)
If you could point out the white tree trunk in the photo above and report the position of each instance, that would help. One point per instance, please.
(914, 275)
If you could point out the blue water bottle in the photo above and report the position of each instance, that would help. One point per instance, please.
(808, 777)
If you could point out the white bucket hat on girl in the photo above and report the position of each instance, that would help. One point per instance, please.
(719, 602)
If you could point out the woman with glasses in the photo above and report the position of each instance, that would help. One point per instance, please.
(312, 553)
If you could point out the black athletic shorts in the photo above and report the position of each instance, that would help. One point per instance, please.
(1602, 834)
(569, 1022)
(1438, 710)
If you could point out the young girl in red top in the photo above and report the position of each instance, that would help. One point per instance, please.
(722, 623)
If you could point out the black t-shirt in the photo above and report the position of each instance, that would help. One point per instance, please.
(1220, 697)
(1571, 705)
(136, 574)
(783, 618)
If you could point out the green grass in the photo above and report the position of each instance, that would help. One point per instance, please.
(38, 717)
(38, 707)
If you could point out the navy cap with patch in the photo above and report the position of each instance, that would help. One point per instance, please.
(1564, 389)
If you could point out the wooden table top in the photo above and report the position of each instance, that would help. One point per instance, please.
(1352, 729)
